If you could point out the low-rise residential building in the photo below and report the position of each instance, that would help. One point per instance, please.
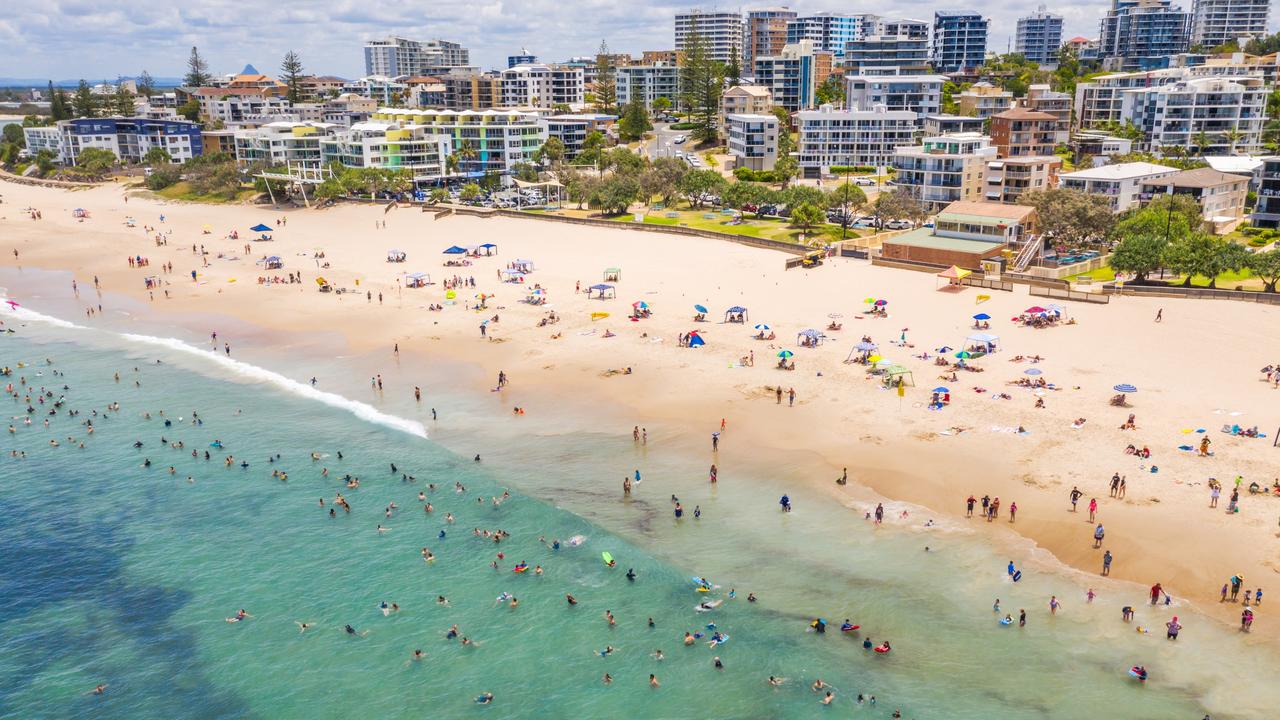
(472, 91)
(218, 142)
(283, 143)
(1212, 115)
(794, 76)
(943, 169)
(1248, 165)
(648, 82)
(833, 138)
(942, 124)
(1058, 104)
(886, 55)
(921, 94)
(1221, 195)
(746, 100)
(423, 92)
(381, 89)
(318, 88)
(1020, 132)
(1007, 179)
(234, 105)
(752, 140)
(1267, 213)
(129, 139)
(542, 86)
(982, 100)
(486, 142)
(1099, 146)
(965, 233)
(1101, 100)
(1121, 184)
(572, 130)
(390, 145)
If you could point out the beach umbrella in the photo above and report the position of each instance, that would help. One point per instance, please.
(785, 354)
(882, 303)
(454, 250)
(700, 309)
(1126, 388)
(762, 327)
(640, 304)
(869, 300)
(884, 362)
(964, 354)
(874, 358)
(260, 228)
(1032, 371)
(866, 346)
(835, 316)
(944, 349)
(1034, 309)
(982, 316)
(941, 390)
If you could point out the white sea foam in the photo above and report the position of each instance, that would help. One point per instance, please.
(240, 369)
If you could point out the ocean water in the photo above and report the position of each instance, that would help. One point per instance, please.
(122, 574)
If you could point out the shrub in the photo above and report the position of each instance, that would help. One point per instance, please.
(685, 126)
(161, 178)
(852, 169)
(1248, 230)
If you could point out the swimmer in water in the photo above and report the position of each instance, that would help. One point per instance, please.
(569, 598)
(608, 650)
(657, 655)
(240, 615)
(776, 681)
(441, 600)
(352, 631)
(418, 654)
(303, 626)
(688, 638)
(485, 698)
(830, 698)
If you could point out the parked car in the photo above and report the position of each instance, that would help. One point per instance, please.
(681, 139)
(898, 225)
(865, 182)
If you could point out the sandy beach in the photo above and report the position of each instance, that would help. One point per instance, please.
(1196, 369)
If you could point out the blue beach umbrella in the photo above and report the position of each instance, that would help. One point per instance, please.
(454, 250)
(785, 354)
(260, 228)
(762, 327)
(700, 309)
(982, 316)
(944, 349)
(1126, 388)
(1032, 371)
(941, 390)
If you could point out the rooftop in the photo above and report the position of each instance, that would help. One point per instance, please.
(1121, 171)
(1019, 113)
(924, 237)
(1199, 178)
(756, 90)
(992, 210)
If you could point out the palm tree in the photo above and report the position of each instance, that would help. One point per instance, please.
(1201, 142)
(1232, 136)
(465, 152)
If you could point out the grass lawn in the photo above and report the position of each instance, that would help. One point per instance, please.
(183, 191)
(1103, 274)
(779, 230)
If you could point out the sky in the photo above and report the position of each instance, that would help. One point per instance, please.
(101, 39)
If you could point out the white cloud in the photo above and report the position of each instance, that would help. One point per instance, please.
(104, 38)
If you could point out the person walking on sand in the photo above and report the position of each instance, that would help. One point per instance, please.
(1159, 314)
(1075, 497)
(778, 392)
(791, 397)
(1093, 508)
(1106, 563)
(1013, 510)
(1098, 534)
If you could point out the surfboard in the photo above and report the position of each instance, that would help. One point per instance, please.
(1017, 576)
(606, 557)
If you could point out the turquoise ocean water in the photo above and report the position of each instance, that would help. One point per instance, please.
(119, 574)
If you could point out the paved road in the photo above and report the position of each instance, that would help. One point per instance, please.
(664, 144)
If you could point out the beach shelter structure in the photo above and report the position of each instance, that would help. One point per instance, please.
(509, 275)
(488, 248)
(602, 291)
(954, 275)
(273, 263)
(984, 341)
(455, 250)
(895, 373)
(810, 337)
(735, 314)
(416, 280)
(612, 274)
(260, 228)
(396, 256)
(537, 297)
(695, 340)
(524, 266)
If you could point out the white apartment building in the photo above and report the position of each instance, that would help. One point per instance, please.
(886, 55)
(982, 100)
(486, 142)
(44, 138)
(1121, 184)
(721, 32)
(1217, 22)
(234, 105)
(753, 140)
(1100, 146)
(920, 94)
(832, 138)
(943, 169)
(397, 56)
(572, 130)
(283, 143)
(1005, 180)
(1226, 112)
(648, 82)
(390, 145)
(1100, 100)
(543, 86)
(128, 139)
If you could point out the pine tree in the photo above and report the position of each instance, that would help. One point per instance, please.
(291, 72)
(146, 85)
(83, 103)
(606, 85)
(701, 83)
(58, 109)
(122, 102)
(197, 70)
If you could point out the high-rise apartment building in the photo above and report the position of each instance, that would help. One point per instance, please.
(911, 29)
(886, 54)
(397, 56)
(829, 31)
(721, 33)
(542, 86)
(1038, 38)
(837, 138)
(1217, 22)
(648, 83)
(959, 40)
(794, 76)
(765, 33)
(1134, 33)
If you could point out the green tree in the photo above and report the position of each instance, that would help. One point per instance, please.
(470, 191)
(696, 185)
(1147, 233)
(635, 120)
(623, 162)
(1139, 254)
(13, 134)
(740, 194)
(190, 109)
(606, 85)
(831, 91)
(897, 205)
(803, 195)
(163, 177)
(615, 195)
(157, 156)
(1199, 253)
(526, 172)
(733, 70)
(146, 85)
(1014, 72)
(197, 70)
(84, 104)
(661, 105)
(662, 178)
(847, 196)
(1266, 267)
(1071, 216)
(592, 149)
(786, 168)
(551, 153)
(807, 216)
(786, 143)
(122, 102)
(1263, 45)
(701, 83)
(1201, 142)
(95, 161)
(1068, 70)
(291, 73)
(58, 106)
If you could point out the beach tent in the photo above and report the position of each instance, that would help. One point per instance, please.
(894, 373)
(737, 313)
(602, 291)
(986, 340)
(812, 335)
(953, 275)
(260, 228)
(525, 266)
(455, 250)
(489, 249)
(612, 274)
(396, 256)
(511, 275)
(695, 340)
(273, 263)
(416, 280)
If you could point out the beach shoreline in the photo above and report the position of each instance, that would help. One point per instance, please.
(892, 446)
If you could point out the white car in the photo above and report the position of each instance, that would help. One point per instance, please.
(866, 182)
(681, 139)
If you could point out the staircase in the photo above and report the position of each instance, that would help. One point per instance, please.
(1030, 251)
